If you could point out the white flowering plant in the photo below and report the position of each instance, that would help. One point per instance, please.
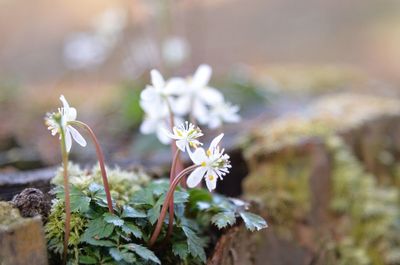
(88, 226)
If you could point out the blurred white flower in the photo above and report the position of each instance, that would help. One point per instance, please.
(60, 121)
(222, 112)
(142, 55)
(84, 50)
(213, 164)
(186, 135)
(157, 121)
(175, 50)
(198, 96)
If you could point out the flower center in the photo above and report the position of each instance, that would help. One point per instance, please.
(203, 164)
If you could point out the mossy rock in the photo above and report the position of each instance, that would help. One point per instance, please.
(21, 239)
(321, 179)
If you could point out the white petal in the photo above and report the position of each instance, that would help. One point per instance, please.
(149, 93)
(68, 140)
(214, 123)
(72, 114)
(211, 96)
(161, 134)
(157, 79)
(64, 102)
(195, 177)
(198, 156)
(181, 144)
(175, 86)
(181, 105)
(202, 76)
(211, 184)
(148, 126)
(216, 141)
(200, 111)
(77, 136)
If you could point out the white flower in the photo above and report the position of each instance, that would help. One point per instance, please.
(212, 163)
(60, 121)
(158, 94)
(156, 102)
(186, 135)
(223, 112)
(198, 95)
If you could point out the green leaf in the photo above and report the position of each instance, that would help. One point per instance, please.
(143, 196)
(97, 229)
(87, 260)
(180, 197)
(154, 212)
(113, 219)
(79, 201)
(223, 219)
(132, 212)
(132, 229)
(143, 252)
(195, 244)
(197, 196)
(100, 242)
(116, 254)
(252, 221)
(180, 250)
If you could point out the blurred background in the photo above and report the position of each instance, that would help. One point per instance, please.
(98, 54)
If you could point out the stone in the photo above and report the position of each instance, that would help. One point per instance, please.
(21, 239)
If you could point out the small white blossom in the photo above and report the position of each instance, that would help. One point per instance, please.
(223, 112)
(198, 96)
(60, 121)
(212, 163)
(186, 135)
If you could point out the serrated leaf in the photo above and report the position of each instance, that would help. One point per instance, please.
(154, 212)
(143, 252)
(199, 196)
(132, 212)
(79, 201)
(100, 242)
(223, 219)
(115, 254)
(195, 244)
(180, 250)
(252, 221)
(132, 229)
(87, 260)
(180, 197)
(143, 196)
(97, 229)
(113, 219)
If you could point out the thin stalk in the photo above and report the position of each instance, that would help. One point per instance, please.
(171, 203)
(67, 224)
(100, 158)
(168, 197)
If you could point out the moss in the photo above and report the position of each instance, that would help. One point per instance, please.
(8, 215)
(122, 183)
(363, 212)
(281, 185)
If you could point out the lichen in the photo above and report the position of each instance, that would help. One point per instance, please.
(122, 183)
(8, 215)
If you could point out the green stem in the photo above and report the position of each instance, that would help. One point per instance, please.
(100, 158)
(168, 197)
(67, 225)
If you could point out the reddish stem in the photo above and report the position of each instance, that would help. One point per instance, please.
(100, 158)
(171, 202)
(168, 197)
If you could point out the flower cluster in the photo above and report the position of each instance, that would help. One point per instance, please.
(211, 164)
(168, 102)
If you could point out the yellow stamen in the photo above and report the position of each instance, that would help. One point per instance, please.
(211, 177)
(203, 164)
(208, 152)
